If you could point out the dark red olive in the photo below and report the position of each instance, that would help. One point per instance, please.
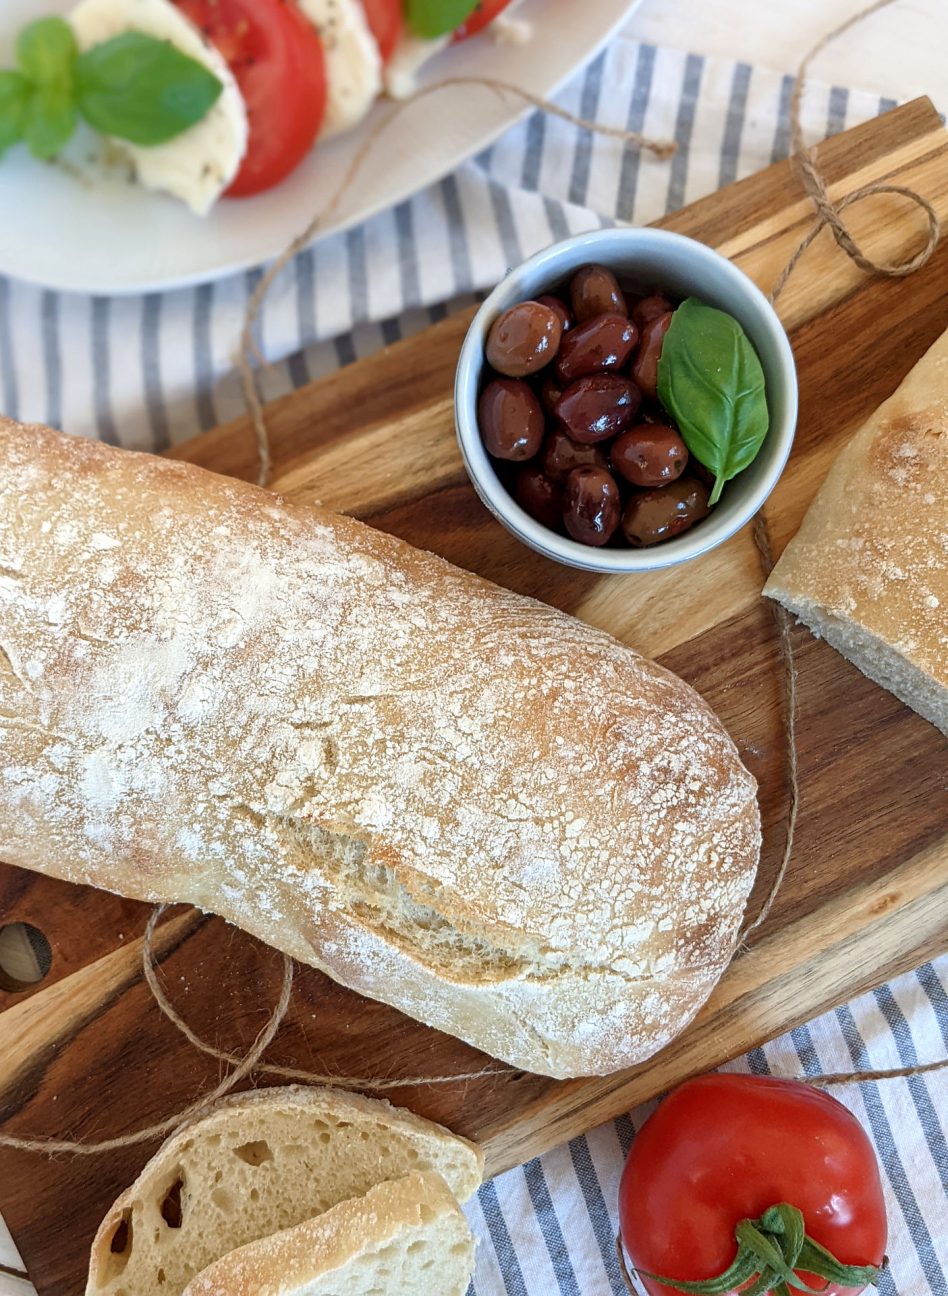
(631, 301)
(600, 345)
(510, 419)
(551, 389)
(592, 505)
(649, 454)
(657, 515)
(645, 366)
(598, 406)
(593, 291)
(649, 308)
(559, 308)
(539, 496)
(524, 339)
(561, 454)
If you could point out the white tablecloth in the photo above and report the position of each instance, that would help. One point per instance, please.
(148, 372)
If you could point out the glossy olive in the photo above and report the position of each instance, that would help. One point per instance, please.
(510, 419)
(645, 367)
(660, 514)
(648, 308)
(593, 291)
(600, 345)
(598, 406)
(649, 454)
(559, 308)
(592, 505)
(523, 339)
(561, 454)
(541, 497)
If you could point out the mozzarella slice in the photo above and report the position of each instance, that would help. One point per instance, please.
(353, 62)
(198, 165)
(410, 56)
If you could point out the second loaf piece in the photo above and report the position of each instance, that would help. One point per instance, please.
(446, 796)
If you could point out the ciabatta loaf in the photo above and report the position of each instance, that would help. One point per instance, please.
(261, 1163)
(448, 797)
(405, 1237)
(868, 569)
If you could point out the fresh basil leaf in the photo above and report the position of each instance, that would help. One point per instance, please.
(46, 50)
(711, 381)
(49, 120)
(142, 89)
(14, 94)
(430, 19)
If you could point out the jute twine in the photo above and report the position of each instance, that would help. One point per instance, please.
(828, 215)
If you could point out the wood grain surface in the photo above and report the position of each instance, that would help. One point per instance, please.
(86, 1053)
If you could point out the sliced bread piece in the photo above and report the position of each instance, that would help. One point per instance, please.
(404, 1237)
(868, 569)
(259, 1163)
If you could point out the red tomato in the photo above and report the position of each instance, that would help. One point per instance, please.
(486, 12)
(725, 1148)
(277, 58)
(386, 18)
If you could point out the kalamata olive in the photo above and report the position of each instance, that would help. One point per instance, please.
(592, 505)
(660, 514)
(645, 366)
(559, 308)
(649, 454)
(598, 406)
(523, 339)
(593, 291)
(631, 301)
(551, 389)
(601, 344)
(649, 308)
(510, 419)
(541, 497)
(561, 455)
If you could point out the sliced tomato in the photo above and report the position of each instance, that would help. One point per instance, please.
(486, 12)
(386, 19)
(277, 58)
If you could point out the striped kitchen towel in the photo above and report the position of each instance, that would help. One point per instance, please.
(550, 1226)
(148, 371)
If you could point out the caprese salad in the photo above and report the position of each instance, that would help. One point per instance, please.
(220, 98)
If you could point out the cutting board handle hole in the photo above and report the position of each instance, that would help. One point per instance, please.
(25, 957)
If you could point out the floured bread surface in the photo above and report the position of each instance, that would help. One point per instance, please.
(868, 569)
(451, 798)
(405, 1237)
(258, 1164)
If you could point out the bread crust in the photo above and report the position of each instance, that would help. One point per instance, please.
(286, 1262)
(448, 797)
(868, 569)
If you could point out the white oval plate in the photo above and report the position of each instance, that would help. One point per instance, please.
(61, 231)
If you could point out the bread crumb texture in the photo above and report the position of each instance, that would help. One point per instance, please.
(263, 1163)
(447, 796)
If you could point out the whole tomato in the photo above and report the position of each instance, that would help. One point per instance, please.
(726, 1160)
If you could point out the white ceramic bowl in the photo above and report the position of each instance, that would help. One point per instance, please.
(683, 268)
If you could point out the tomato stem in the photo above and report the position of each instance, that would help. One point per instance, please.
(769, 1252)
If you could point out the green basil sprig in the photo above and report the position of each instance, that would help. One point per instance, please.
(134, 86)
(711, 381)
(430, 19)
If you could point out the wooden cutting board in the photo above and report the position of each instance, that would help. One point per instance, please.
(86, 1054)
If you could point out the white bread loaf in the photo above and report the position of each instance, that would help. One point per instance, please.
(448, 797)
(868, 569)
(260, 1163)
(405, 1237)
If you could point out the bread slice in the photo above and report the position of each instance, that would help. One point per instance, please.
(868, 569)
(261, 1162)
(405, 1237)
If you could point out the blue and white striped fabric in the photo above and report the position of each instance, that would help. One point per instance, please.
(550, 1226)
(148, 372)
